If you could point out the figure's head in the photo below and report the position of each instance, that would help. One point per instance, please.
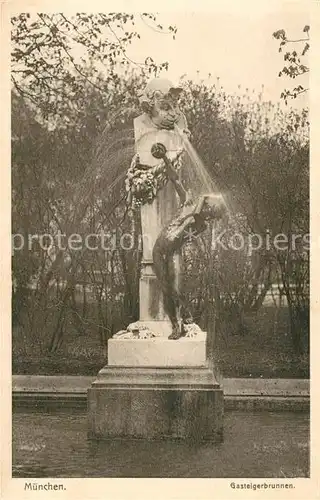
(160, 101)
(211, 206)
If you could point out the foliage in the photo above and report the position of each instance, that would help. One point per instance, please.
(68, 169)
(294, 66)
(259, 157)
(54, 56)
(58, 192)
(143, 183)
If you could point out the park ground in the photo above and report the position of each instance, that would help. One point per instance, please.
(264, 350)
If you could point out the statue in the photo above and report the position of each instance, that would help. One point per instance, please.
(192, 216)
(158, 372)
(168, 210)
(146, 175)
(159, 102)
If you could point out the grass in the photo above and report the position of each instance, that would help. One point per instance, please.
(263, 351)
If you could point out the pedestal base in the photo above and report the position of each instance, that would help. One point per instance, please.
(156, 403)
(158, 351)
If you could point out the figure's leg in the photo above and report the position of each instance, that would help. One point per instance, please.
(174, 302)
(174, 298)
(182, 308)
(171, 310)
(162, 262)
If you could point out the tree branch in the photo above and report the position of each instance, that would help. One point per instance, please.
(298, 40)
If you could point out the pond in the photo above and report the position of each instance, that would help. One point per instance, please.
(256, 444)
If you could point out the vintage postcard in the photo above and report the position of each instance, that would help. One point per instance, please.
(159, 249)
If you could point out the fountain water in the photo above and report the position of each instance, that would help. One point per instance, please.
(196, 175)
(199, 178)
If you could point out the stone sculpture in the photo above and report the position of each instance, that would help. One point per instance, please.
(168, 211)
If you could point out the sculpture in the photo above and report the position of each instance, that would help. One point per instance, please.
(192, 216)
(168, 209)
(159, 102)
(158, 372)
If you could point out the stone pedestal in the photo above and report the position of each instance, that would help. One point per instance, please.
(158, 352)
(155, 388)
(156, 403)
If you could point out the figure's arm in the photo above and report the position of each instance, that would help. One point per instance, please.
(174, 177)
(158, 150)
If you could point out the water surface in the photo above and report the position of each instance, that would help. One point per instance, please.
(262, 444)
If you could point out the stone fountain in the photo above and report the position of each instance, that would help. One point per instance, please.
(157, 383)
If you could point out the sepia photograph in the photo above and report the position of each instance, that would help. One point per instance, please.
(160, 244)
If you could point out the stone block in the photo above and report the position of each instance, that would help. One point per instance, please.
(156, 403)
(158, 351)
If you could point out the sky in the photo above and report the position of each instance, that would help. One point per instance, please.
(232, 42)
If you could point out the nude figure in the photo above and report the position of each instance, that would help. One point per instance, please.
(192, 219)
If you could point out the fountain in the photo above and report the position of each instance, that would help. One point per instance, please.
(157, 383)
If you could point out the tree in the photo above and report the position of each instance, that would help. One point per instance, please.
(294, 67)
(74, 189)
(250, 148)
(54, 56)
(259, 155)
(68, 89)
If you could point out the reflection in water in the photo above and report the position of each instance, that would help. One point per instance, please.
(261, 444)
